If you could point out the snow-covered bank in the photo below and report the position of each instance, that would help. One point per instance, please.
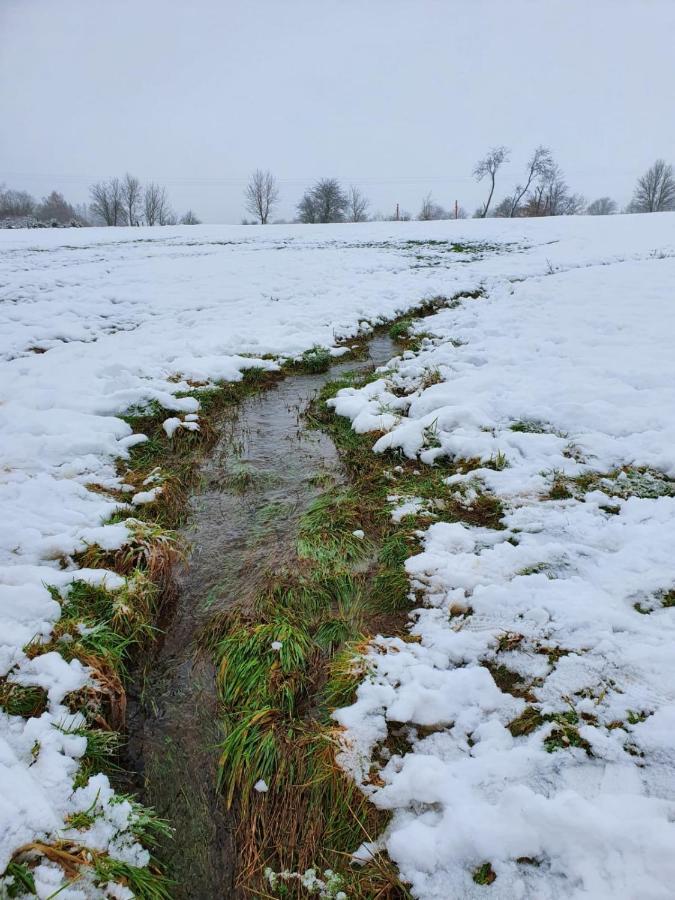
(98, 321)
(539, 705)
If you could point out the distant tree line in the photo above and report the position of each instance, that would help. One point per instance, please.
(546, 193)
(116, 201)
(542, 192)
(21, 209)
(125, 201)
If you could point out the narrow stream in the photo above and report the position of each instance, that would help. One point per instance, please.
(255, 487)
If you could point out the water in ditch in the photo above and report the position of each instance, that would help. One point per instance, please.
(254, 488)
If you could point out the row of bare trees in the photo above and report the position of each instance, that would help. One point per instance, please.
(325, 201)
(116, 201)
(125, 201)
(545, 192)
(542, 192)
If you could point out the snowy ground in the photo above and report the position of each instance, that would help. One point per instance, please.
(573, 335)
(574, 596)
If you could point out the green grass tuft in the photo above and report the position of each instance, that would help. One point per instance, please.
(23, 881)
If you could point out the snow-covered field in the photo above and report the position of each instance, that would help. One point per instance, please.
(572, 343)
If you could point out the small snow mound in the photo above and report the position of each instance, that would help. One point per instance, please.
(171, 426)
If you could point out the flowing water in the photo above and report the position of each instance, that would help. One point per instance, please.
(255, 487)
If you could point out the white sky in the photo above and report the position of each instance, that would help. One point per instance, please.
(397, 96)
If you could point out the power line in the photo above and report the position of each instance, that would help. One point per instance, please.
(238, 181)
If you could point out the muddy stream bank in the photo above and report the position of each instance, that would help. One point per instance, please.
(261, 477)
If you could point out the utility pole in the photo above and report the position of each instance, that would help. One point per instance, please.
(456, 210)
(397, 212)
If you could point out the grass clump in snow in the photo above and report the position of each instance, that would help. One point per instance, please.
(314, 361)
(530, 426)
(564, 733)
(624, 482)
(484, 874)
(18, 880)
(399, 330)
(144, 882)
(90, 870)
(508, 681)
(22, 700)
(527, 722)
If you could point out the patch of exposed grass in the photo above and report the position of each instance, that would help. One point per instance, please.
(22, 880)
(101, 752)
(22, 700)
(484, 874)
(625, 482)
(327, 529)
(565, 733)
(313, 361)
(144, 882)
(530, 426)
(508, 681)
(559, 489)
(527, 722)
(400, 329)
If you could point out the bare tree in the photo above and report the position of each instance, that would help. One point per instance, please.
(540, 166)
(189, 218)
(262, 194)
(431, 210)
(55, 208)
(489, 166)
(551, 196)
(82, 216)
(307, 213)
(655, 190)
(156, 209)
(132, 194)
(503, 209)
(357, 206)
(324, 202)
(107, 202)
(603, 206)
(15, 204)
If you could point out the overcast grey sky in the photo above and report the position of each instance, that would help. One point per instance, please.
(397, 96)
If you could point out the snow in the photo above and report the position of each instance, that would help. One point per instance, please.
(584, 354)
(574, 332)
